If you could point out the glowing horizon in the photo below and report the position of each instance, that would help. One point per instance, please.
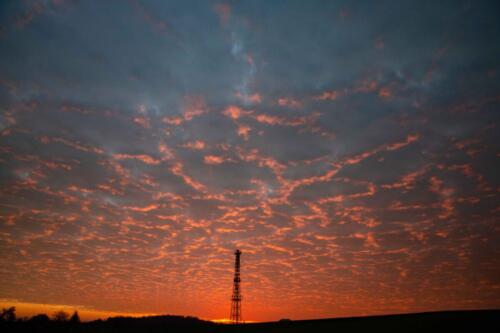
(28, 310)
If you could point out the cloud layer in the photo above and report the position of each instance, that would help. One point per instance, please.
(350, 150)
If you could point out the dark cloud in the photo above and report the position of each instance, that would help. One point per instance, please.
(350, 149)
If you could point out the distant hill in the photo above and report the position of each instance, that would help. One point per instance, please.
(448, 321)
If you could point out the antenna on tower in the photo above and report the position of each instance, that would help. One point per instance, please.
(236, 297)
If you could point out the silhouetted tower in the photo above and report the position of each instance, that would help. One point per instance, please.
(236, 297)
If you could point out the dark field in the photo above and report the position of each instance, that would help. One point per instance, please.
(450, 321)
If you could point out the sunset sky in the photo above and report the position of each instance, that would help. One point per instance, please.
(349, 149)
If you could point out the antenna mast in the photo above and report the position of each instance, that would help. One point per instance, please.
(236, 297)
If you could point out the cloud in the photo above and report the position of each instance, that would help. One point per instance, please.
(212, 159)
(195, 145)
(363, 86)
(255, 98)
(193, 106)
(408, 181)
(141, 157)
(244, 131)
(329, 95)
(143, 209)
(223, 10)
(134, 158)
(290, 102)
(75, 145)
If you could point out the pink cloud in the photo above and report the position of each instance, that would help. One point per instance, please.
(142, 121)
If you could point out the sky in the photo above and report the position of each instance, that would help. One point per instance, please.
(349, 149)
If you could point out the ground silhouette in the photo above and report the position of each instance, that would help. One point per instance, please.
(449, 321)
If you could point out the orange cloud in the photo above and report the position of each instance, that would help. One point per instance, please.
(193, 106)
(329, 95)
(263, 161)
(270, 120)
(141, 157)
(365, 86)
(178, 170)
(385, 93)
(195, 145)
(409, 139)
(282, 121)
(290, 102)
(173, 120)
(389, 147)
(253, 98)
(143, 209)
(214, 160)
(369, 239)
(446, 197)
(166, 152)
(75, 145)
(408, 181)
(142, 121)
(279, 249)
(235, 112)
(244, 131)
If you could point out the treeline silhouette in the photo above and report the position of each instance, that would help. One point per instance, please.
(61, 321)
(448, 321)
